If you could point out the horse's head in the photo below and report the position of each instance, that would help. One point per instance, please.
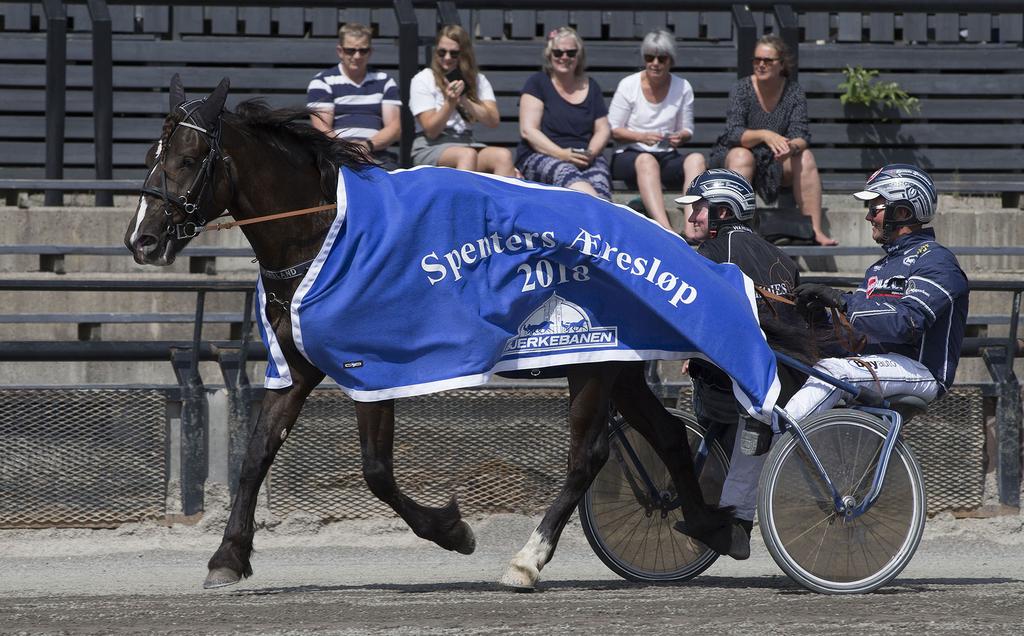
(189, 180)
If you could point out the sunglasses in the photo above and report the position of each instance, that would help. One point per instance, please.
(767, 61)
(662, 59)
(566, 52)
(352, 51)
(452, 53)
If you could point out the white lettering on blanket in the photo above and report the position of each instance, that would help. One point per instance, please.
(438, 267)
(647, 268)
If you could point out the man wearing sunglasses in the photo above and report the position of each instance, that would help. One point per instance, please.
(912, 304)
(354, 102)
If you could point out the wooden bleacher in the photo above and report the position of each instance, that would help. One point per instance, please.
(967, 70)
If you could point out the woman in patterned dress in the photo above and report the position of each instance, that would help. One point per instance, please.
(767, 134)
(563, 121)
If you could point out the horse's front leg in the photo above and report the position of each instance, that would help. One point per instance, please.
(589, 387)
(279, 411)
(444, 526)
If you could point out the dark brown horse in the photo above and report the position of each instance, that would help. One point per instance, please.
(258, 161)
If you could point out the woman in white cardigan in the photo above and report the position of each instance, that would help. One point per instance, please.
(651, 117)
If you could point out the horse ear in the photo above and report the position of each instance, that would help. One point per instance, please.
(210, 110)
(151, 155)
(177, 92)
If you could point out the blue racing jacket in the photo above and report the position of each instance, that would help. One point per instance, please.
(914, 302)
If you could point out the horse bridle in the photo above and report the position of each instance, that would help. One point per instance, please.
(194, 221)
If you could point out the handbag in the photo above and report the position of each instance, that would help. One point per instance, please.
(784, 226)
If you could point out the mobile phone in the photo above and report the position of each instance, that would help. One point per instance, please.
(453, 75)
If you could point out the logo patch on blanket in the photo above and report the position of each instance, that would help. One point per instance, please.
(559, 325)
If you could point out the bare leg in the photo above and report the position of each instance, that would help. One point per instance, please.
(589, 386)
(741, 160)
(693, 166)
(280, 410)
(496, 160)
(648, 179)
(461, 157)
(443, 526)
(802, 172)
(583, 186)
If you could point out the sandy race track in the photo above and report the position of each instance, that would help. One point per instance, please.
(374, 577)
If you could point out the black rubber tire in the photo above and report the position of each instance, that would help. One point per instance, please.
(641, 547)
(815, 546)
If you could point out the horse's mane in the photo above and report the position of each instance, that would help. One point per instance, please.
(794, 337)
(289, 130)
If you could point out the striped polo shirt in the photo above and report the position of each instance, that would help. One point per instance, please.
(356, 107)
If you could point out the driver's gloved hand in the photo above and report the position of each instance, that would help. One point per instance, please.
(813, 297)
(755, 438)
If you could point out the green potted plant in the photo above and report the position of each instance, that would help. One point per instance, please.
(862, 87)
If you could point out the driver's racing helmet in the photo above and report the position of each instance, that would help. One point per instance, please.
(721, 186)
(902, 186)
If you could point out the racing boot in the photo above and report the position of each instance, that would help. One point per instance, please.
(739, 547)
(733, 540)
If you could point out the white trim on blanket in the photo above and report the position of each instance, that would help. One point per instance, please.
(317, 265)
(284, 372)
(617, 355)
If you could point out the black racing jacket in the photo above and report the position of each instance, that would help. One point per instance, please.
(765, 264)
(913, 301)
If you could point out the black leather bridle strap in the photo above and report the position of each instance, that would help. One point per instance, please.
(189, 206)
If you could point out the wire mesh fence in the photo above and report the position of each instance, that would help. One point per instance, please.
(83, 457)
(506, 450)
(97, 457)
(496, 450)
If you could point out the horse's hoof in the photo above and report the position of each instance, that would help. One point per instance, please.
(221, 577)
(466, 543)
(519, 578)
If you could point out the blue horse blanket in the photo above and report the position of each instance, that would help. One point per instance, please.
(433, 279)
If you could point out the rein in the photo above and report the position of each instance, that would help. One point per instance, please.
(270, 217)
(844, 332)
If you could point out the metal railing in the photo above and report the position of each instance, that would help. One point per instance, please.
(998, 354)
(184, 357)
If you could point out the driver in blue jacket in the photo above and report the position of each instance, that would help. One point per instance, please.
(911, 306)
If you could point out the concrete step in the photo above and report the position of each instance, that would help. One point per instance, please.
(961, 221)
(972, 221)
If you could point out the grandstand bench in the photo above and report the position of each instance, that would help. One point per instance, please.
(966, 134)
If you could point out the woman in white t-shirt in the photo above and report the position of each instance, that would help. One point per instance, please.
(651, 116)
(446, 99)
